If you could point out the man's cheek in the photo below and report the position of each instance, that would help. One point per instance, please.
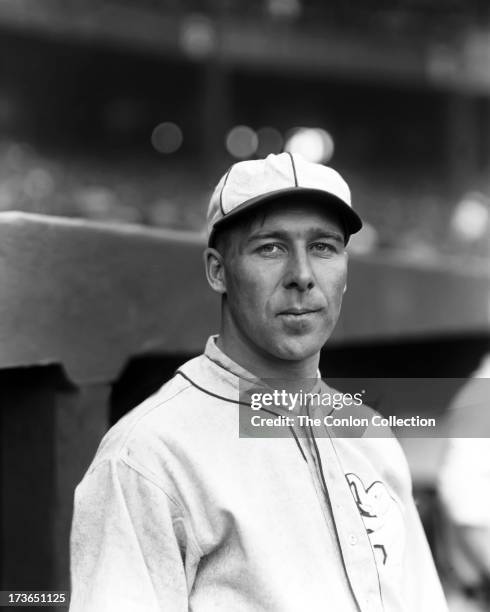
(337, 285)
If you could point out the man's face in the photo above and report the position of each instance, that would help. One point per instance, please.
(284, 279)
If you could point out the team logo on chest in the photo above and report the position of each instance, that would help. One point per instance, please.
(383, 520)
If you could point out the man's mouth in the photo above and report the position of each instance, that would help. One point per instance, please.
(299, 312)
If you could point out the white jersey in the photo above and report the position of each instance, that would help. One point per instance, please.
(178, 512)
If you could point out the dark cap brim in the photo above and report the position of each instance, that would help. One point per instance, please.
(351, 220)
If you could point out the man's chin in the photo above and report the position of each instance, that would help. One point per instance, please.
(298, 349)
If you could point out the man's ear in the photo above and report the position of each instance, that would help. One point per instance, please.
(215, 270)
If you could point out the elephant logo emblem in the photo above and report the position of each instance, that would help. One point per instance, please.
(382, 519)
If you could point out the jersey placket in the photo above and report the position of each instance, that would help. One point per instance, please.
(353, 539)
(325, 505)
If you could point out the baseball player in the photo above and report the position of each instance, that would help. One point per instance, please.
(178, 511)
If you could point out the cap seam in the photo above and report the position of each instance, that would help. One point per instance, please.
(294, 169)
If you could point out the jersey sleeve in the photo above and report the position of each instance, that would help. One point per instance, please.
(131, 548)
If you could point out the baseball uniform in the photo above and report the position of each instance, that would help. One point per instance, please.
(177, 512)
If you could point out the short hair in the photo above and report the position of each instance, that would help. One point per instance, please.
(225, 236)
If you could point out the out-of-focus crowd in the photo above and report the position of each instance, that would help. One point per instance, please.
(413, 218)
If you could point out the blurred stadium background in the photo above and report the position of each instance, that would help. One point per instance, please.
(128, 112)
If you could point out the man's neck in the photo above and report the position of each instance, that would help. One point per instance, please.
(265, 366)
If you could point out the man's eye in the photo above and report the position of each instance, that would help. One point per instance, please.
(324, 247)
(271, 248)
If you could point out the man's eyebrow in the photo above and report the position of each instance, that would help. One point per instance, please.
(314, 232)
(261, 234)
(321, 233)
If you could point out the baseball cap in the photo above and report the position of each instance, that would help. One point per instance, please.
(254, 182)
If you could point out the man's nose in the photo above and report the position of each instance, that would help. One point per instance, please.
(299, 274)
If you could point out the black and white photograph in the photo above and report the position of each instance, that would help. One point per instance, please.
(245, 305)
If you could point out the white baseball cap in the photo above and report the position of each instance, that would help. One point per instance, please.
(250, 183)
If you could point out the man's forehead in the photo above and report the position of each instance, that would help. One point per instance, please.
(291, 216)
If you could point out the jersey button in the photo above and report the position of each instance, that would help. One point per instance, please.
(353, 539)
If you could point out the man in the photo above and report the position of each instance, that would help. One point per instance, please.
(180, 512)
